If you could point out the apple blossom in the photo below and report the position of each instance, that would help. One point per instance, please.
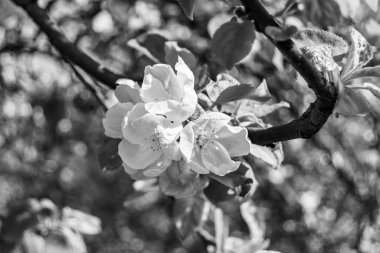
(167, 93)
(208, 143)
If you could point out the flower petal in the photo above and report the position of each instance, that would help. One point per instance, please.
(127, 91)
(217, 160)
(156, 168)
(186, 143)
(178, 180)
(196, 164)
(152, 90)
(165, 74)
(134, 174)
(234, 139)
(140, 124)
(184, 74)
(173, 110)
(112, 123)
(138, 156)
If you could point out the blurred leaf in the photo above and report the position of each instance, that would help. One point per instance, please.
(150, 44)
(81, 222)
(108, 156)
(216, 21)
(188, 7)
(322, 12)
(316, 37)
(241, 183)
(373, 4)
(233, 41)
(272, 156)
(188, 214)
(64, 240)
(278, 34)
(22, 216)
(31, 243)
(248, 107)
(178, 180)
(173, 51)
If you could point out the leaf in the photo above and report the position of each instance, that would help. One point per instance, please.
(244, 91)
(316, 37)
(362, 73)
(233, 41)
(352, 103)
(360, 53)
(151, 44)
(278, 34)
(373, 4)
(172, 51)
(272, 156)
(108, 156)
(366, 86)
(248, 107)
(320, 56)
(188, 7)
(188, 214)
(178, 180)
(239, 183)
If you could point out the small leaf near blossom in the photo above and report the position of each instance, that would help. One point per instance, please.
(108, 155)
(173, 51)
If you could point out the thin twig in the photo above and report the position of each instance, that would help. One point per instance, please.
(89, 86)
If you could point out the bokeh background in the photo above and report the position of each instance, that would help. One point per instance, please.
(324, 197)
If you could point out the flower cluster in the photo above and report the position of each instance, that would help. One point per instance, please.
(157, 135)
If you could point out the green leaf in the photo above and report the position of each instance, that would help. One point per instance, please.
(362, 73)
(178, 180)
(233, 41)
(316, 37)
(373, 4)
(248, 107)
(187, 215)
(278, 34)
(352, 103)
(360, 53)
(244, 91)
(172, 51)
(239, 183)
(272, 156)
(151, 45)
(188, 7)
(320, 56)
(108, 156)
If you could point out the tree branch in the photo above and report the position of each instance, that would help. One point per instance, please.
(326, 92)
(65, 47)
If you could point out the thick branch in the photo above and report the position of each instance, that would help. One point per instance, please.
(327, 92)
(65, 47)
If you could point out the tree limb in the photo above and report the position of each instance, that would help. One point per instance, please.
(65, 47)
(326, 92)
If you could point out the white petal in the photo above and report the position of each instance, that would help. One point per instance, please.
(196, 164)
(184, 74)
(152, 90)
(140, 124)
(165, 74)
(172, 109)
(186, 143)
(156, 168)
(234, 139)
(112, 123)
(135, 174)
(217, 160)
(138, 156)
(127, 91)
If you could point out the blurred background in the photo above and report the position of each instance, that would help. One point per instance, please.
(323, 198)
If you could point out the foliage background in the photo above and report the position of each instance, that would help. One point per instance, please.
(324, 197)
